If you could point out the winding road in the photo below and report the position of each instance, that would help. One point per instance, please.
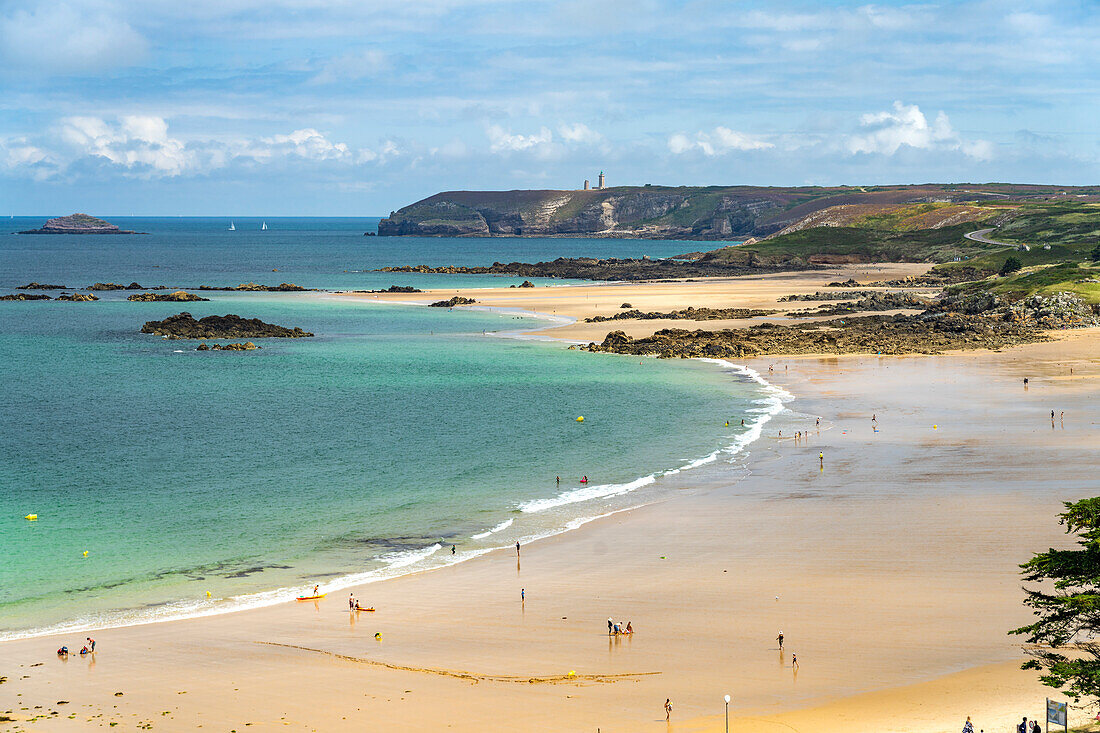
(980, 236)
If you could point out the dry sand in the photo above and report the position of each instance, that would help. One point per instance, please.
(891, 570)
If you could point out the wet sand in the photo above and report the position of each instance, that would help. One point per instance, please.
(892, 571)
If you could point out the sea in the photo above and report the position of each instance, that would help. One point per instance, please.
(172, 483)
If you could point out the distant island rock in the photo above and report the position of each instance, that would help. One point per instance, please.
(78, 224)
(184, 326)
(247, 346)
(176, 296)
(41, 286)
(77, 297)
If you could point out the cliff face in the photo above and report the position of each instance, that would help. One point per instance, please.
(657, 212)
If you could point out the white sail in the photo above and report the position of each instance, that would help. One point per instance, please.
(264, 227)
(232, 228)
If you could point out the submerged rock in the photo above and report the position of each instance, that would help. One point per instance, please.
(184, 326)
(116, 286)
(255, 288)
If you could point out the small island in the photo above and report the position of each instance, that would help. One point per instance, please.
(78, 224)
(184, 326)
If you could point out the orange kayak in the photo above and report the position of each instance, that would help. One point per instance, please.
(312, 598)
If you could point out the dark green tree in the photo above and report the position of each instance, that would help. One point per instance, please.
(1011, 265)
(1068, 607)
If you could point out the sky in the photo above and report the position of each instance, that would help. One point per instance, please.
(359, 107)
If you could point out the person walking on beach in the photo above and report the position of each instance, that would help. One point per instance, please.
(780, 640)
(1022, 727)
(968, 727)
(668, 708)
(91, 644)
(610, 626)
(794, 661)
(452, 549)
(517, 548)
(315, 589)
(351, 601)
(522, 595)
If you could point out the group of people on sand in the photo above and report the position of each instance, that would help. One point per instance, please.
(88, 648)
(353, 604)
(618, 629)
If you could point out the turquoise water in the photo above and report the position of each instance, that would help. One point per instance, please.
(364, 452)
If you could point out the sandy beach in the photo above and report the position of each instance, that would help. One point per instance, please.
(890, 566)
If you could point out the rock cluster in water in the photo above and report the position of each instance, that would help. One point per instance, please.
(255, 288)
(457, 300)
(246, 346)
(25, 296)
(176, 296)
(78, 297)
(184, 326)
(872, 301)
(41, 286)
(116, 286)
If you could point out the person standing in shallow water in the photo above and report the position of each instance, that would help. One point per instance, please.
(517, 548)
(668, 708)
(780, 640)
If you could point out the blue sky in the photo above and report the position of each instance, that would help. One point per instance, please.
(357, 107)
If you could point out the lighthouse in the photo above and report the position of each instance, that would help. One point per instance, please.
(600, 184)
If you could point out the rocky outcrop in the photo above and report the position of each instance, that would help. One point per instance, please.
(457, 300)
(176, 296)
(687, 314)
(526, 284)
(246, 346)
(873, 301)
(41, 286)
(254, 288)
(393, 289)
(78, 224)
(900, 334)
(25, 296)
(77, 297)
(1054, 311)
(819, 295)
(184, 326)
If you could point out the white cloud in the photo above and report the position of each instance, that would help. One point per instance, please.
(579, 132)
(716, 142)
(64, 38)
(501, 141)
(884, 133)
(141, 146)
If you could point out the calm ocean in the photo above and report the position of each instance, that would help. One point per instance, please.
(359, 454)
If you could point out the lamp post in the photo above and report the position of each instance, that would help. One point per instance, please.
(727, 714)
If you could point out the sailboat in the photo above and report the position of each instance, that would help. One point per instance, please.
(264, 227)
(231, 227)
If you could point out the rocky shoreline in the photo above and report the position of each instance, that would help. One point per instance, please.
(177, 296)
(184, 326)
(452, 302)
(611, 269)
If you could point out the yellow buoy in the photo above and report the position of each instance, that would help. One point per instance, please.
(207, 594)
(727, 423)
(31, 517)
(580, 419)
(934, 427)
(85, 553)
